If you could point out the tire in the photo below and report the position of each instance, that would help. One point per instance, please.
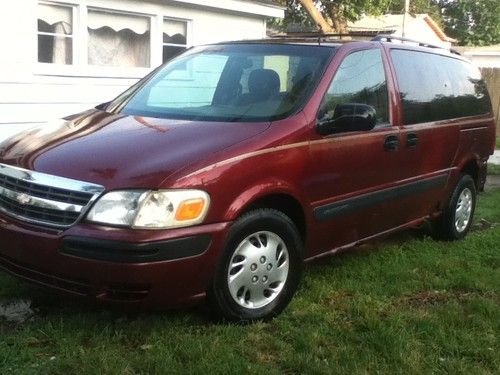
(260, 268)
(456, 219)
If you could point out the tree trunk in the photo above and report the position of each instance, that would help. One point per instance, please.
(317, 17)
(339, 23)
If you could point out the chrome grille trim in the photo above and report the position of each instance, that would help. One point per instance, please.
(44, 199)
(39, 202)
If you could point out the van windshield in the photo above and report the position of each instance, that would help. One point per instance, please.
(234, 82)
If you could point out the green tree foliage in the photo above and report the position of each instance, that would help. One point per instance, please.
(429, 7)
(339, 12)
(472, 22)
(296, 18)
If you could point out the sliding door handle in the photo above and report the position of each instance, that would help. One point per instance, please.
(412, 140)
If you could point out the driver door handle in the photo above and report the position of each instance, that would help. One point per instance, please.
(391, 143)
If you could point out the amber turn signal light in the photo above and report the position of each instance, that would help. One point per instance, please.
(190, 209)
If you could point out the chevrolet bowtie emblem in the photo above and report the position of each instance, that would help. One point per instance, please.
(23, 199)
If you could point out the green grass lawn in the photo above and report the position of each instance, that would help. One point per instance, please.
(407, 304)
(494, 169)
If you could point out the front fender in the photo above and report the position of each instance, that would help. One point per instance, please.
(260, 190)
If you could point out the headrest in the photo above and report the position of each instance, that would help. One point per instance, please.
(265, 82)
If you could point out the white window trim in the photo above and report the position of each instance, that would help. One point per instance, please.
(137, 72)
(80, 66)
(188, 31)
(189, 26)
(74, 25)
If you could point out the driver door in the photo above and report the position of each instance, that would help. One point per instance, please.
(355, 168)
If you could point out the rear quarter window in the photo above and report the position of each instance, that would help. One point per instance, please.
(435, 87)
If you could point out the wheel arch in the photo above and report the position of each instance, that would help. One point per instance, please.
(285, 203)
(475, 168)
(471, 168)
(283, 200)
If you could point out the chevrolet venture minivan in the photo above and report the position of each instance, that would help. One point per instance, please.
(221, 172)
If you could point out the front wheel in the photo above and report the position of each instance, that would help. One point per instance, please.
(260, 268)
(456, 219)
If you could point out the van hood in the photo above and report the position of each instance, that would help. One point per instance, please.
(120, 151)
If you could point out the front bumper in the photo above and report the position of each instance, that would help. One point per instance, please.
(150, 269)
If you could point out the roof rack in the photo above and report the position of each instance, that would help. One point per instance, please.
(320, 37)
(390, 38)
(315, 34)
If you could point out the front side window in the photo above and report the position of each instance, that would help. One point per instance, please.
(55, 34)
(174, 37)
(237, 82)
(118, 39)
(359, 82)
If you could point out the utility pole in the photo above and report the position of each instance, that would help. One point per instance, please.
(407, 11)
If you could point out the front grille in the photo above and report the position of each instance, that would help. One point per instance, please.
(44, 199)
(38, 213)
(47, 192)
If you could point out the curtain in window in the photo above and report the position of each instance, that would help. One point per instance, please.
(117, 39)
(118, 48)
(61, 52)
(55, 34)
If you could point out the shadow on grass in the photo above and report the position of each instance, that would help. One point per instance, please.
(30, 303)
(376, 244)
(48, 304)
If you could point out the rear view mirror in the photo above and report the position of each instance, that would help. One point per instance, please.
(348, 117)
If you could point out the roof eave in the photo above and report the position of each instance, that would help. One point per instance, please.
(437, 30)
(240, 6)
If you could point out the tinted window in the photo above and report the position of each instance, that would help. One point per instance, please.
(360, 79)
(245, 82)
(435, 87)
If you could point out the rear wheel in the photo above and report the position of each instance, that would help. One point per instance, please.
(456, 220)
(260, 268)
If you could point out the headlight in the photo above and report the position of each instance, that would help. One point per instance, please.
(151, 209)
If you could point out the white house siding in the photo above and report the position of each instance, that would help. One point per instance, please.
(484, 59)
(488, 60)
(33, 93)
(416, 27)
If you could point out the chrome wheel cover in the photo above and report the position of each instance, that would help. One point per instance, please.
(463, 210)
(258, 270)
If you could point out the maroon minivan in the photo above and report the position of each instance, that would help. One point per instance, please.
(222, 171)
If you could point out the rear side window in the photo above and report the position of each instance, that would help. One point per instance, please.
(435, 87)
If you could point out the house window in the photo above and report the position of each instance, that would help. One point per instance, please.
(90, 37)
(174, 37)
(55, 34)
(118, 39)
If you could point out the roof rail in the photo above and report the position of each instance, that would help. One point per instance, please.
(315, 34)
(390, 38)
(320, 37)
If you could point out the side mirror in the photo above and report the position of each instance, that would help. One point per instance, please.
(348, 117)
(102, 106)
